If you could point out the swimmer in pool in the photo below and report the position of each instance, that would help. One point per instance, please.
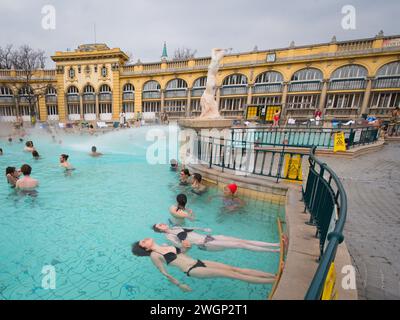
(178, 236)
(173, 165)
(179, 212)
(1, 151)
(184, 178)
(64, 162)
(176, 257)
(26, 183)
(35, 155)
(94, 152)
(197, 186)
(29, 146)
(231, 201)
(12, 176)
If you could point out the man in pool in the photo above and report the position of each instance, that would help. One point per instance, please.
(197, 186)
(1, 151)
(94, 152)
(168, 255)
(29, 146)
(26, 183)
(181, 237)
(64, 162)
(173, 165)
(179, 212)
(12, 176)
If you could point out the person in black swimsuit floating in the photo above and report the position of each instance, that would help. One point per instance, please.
(161, 255)
(176, 235)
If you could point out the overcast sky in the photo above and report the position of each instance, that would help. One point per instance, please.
(141, 27)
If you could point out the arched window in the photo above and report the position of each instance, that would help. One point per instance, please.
(72, 90)
(105, 88)
(308, 79)
(51, 95)
(200, 82)
(198, 87)
(151, 90)
(388, 76)
(348, 77)
(176, 88)
(25, 91)
(234, 84)
(105, 93)
(88, 89)
(129, 88)
(51, 91)
(270, 81)
(128, 92)
(6, 92)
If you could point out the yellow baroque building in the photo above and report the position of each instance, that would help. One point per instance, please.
(344, 79)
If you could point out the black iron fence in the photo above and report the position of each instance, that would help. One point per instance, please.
(326, 201)
(305, 137)
(248, 158)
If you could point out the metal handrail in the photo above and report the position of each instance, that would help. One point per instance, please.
(334, 237)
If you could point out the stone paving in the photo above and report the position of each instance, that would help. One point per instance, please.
(372, 230)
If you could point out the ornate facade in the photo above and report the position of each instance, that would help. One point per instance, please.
(343, 79)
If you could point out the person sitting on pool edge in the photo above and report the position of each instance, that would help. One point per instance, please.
(64, 162)
(178, 235)
(197, 186)
(29, 146)
(35, 155)
(12, 176)
(94, 152)
(26, 183)
(173, 165)
(179, 212)
(168, 255)
(184, 178)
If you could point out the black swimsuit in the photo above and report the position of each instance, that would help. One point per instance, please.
(183, 234)
(171, 256)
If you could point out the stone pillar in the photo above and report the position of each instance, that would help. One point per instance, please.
(367, 94)
(81, 106)
(218, 96)
(284, 98)
(189, 99)
(138, 101)
(96, 106)
(42, 108)
(249, 94)
(322, 99)
(162, 101)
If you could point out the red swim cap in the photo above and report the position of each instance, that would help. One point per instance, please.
(233, 187)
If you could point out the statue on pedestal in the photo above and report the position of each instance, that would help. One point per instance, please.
(208, 103)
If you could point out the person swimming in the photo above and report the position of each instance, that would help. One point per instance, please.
(12, 176)
(230, 199)
(1, 151)
(176, 257)
(179, 212)
(178, 235)
(197, 186)
(184, 177)
(29, 146)
(94, 152)
(26, 183)
(64, 162)
(35, 155)
(173, 165)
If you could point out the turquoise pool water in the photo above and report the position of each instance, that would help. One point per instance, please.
(83, 224)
